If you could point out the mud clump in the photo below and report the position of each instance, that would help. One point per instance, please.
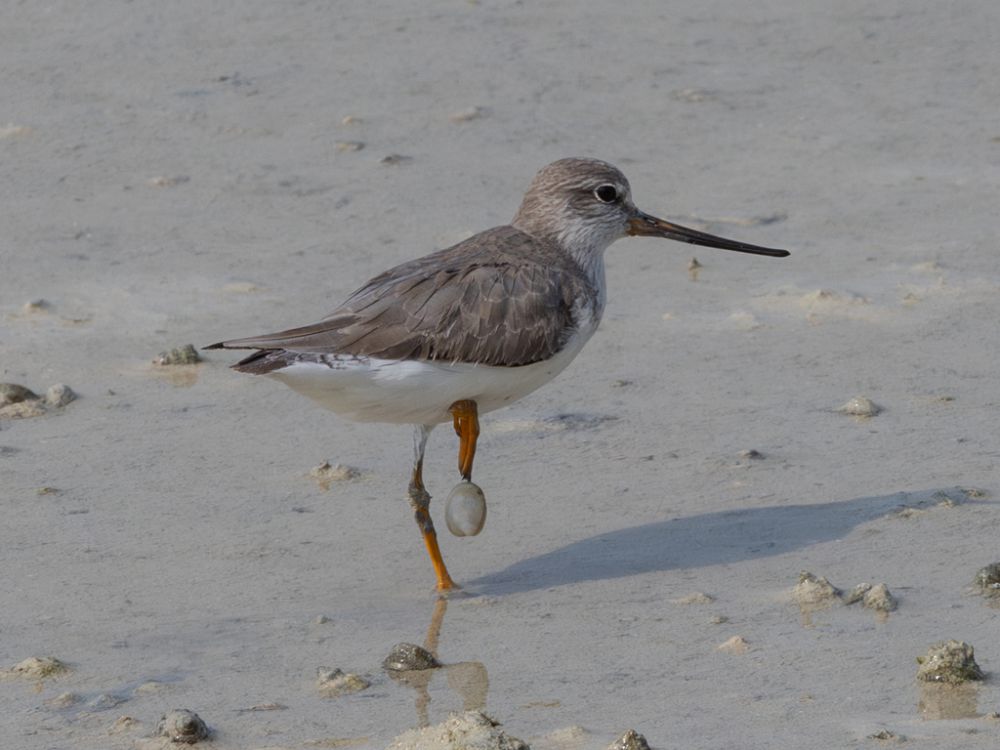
(862, 407)
(182, 355)
(951, 662)
(814, 591)
(987, 580)
(472, 730)
(182, 726)
(877, 597)
(12, 393)
(18, 402)
(38, 667)
(335, 682)
(631, 740)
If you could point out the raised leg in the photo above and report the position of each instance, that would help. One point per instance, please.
(466, 416)
(420, 500)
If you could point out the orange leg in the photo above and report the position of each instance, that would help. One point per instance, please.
(466, 416)
(420, 500)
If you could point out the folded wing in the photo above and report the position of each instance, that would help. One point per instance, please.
(469, 303)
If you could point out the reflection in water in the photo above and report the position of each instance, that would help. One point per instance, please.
(182, 376)
(468, 679)
(941, 701)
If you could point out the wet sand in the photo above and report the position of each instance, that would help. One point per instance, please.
(179, 174)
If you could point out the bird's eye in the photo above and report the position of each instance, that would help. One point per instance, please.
(606, 193)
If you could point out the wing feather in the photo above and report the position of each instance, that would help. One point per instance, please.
(500, 298)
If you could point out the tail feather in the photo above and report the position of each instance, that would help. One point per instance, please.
(260, 362)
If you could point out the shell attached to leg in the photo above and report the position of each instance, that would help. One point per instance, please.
(465, 512)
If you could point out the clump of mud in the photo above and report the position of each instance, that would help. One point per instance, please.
(335, 682)
(18, 402)
(987, 580)
(877, 597)
(951, 662)
(814, 591)
(37, 667)
(472, 729)
(182, 726)
(631, 740)
(862, 407)
(181, 355)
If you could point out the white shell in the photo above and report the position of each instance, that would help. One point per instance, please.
(466, 509)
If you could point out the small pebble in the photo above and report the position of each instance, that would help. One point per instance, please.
(751, 455)
(860, 406)
(182, 725)
(334, 682)
(408, 656)
(350, 120)
(952, 662)
(35, 306)
(182, 355)
(631, 740)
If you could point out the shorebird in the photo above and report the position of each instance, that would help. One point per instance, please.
(473, 327)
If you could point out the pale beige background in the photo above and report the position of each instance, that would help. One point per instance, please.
(172, 174)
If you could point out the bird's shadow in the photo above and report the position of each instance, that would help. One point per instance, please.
(705, 539)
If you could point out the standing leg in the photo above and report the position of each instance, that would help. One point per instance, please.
(466, 416)
(420, 500)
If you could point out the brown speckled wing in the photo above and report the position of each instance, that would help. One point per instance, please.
(500, 298)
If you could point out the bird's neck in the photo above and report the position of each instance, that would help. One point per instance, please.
(581, 241)
(593, 265)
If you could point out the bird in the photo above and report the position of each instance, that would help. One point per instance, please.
(471, 328)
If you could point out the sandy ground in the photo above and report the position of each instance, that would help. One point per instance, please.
(183, 172)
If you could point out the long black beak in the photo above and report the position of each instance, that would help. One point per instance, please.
(644, 225)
